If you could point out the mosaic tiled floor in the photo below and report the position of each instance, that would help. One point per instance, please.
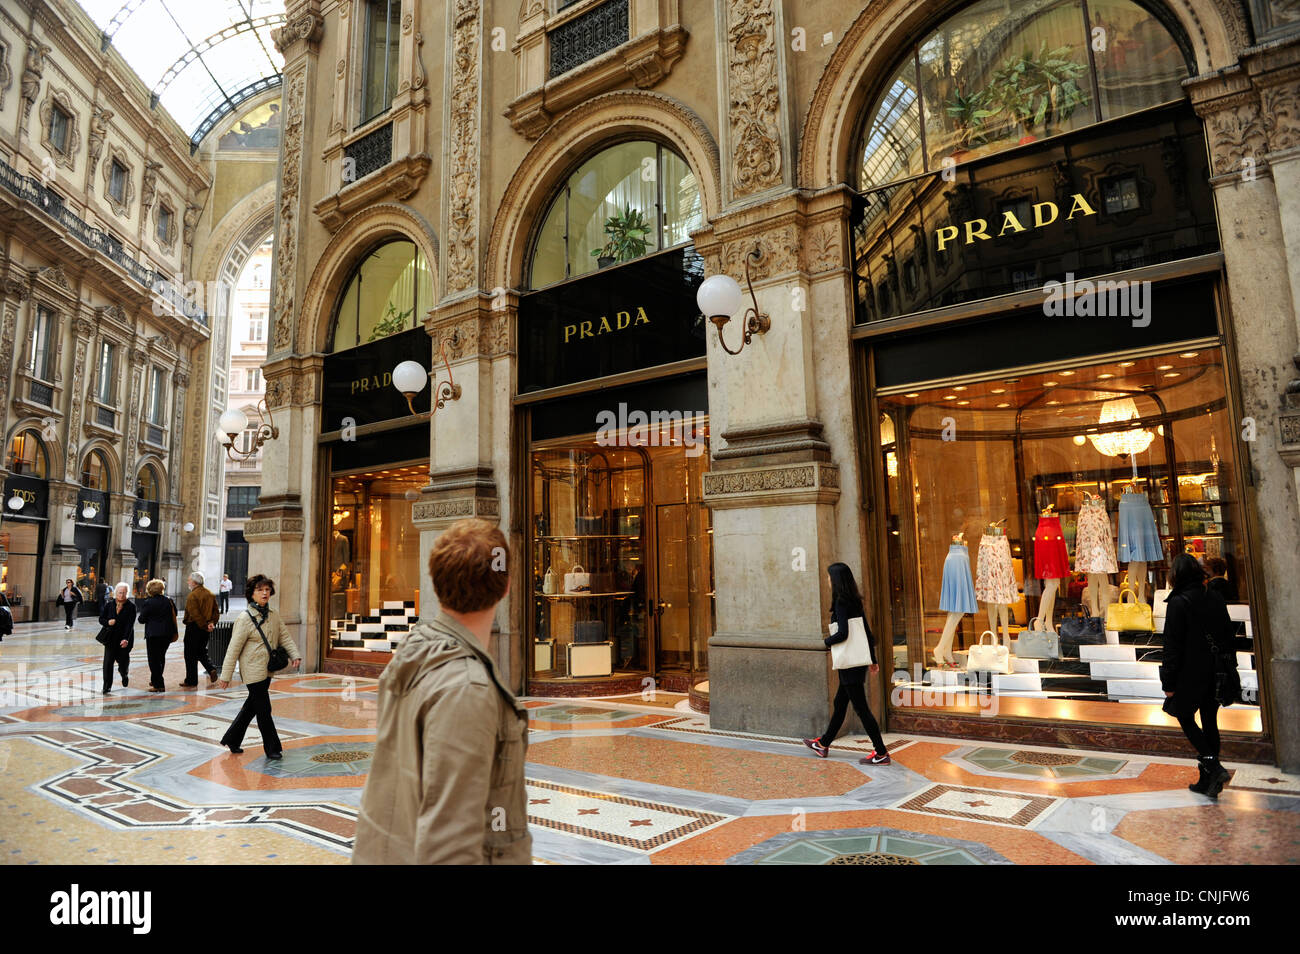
(136, 778)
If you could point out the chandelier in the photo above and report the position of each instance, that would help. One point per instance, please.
(1121, 443)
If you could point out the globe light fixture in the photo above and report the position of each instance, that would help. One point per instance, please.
(409, 377)
(188, 526)
(88, 512)
(1121, 443)
(234, 422)
(720, 299)
(144, 522)
(15, 503)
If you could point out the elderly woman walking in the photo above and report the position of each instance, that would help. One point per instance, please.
(117, 633)
(158, 613)
(257, 631)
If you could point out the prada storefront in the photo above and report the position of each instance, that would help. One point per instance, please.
(613, 401)
(375, 459)
(1049, 375)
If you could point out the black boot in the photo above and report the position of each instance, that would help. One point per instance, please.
(1218, 776)
(1203, 780)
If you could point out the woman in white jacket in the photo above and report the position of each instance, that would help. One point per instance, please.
(248, 648)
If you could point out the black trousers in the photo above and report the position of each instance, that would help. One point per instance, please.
(115, 654)
(157, 651)
(858, 696)
(257, 704)
(196, 654)
(1205, 737)
(68, 610)
(225, 602)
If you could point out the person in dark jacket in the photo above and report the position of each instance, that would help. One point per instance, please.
(1219, 582)
(68, 598)
(1187, 672)
(6, 618)
(846, 604)
(117, 615)
(158, 613)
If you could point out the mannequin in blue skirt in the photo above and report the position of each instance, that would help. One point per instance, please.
(956, 596)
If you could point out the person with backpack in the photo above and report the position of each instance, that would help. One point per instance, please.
(1196, 619)
(158, 613)
(258, 633)
(846, 610)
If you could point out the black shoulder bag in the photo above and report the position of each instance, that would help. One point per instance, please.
(277, 658)
(1227, 681)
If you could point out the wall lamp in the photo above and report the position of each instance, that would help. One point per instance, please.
(720, 299)
(409, 377)
(235, 422)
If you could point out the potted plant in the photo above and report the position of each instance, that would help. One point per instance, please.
(1038, 89)
(392, 322)
(968, 114)
(627, 238)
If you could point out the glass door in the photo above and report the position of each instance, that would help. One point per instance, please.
(672, 605)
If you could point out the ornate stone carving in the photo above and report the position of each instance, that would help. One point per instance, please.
(189, 221)
(123, 207)
(99, 118)
(33, 68)
(8, 319)
(755, 97)
(772, 486)
(1281, 115)
(461, 255)
(823, 249)
(54, 274)
(307, 27)
(6, 71)
(149, 187)
(780, 254)
(1236, 133)
(14, 288)
(418, 61)
(286, 243)
(70, 462)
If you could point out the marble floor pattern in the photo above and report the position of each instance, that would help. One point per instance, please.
(138, 778)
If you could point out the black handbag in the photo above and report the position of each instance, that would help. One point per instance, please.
(589, 631)
(277, 658)
(102, 636)
(1227, 681)
(1076, 631)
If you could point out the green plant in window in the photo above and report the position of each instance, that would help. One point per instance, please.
(1038, 89)
(968, 113)
(392, 322)
(628, 237)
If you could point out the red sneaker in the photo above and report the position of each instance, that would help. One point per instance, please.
(875, 758)
(816, 746)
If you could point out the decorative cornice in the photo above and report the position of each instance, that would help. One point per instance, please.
(794, 485)
(399, 179)
(305, 28)
(787, 437)
(436, 514)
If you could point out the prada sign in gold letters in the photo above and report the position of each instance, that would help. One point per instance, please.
(373, 382)
(1045, 213)
(590, 329)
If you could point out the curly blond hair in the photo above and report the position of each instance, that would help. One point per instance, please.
(155, 588)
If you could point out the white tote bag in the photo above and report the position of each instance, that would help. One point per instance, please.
(854, 651)
(988, 657)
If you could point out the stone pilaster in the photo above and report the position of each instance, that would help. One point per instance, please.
(756, 127)
(1249, 112)
(13, 292)
(460, 266)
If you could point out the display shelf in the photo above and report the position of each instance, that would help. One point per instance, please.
(574, 596)
(594, 536)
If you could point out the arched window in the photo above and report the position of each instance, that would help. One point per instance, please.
(94, 472)
(146, 487)
(624, 202)
(1002, 73)
(27, 455)
(388, 292)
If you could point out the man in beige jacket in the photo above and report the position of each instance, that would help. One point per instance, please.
(446, 784)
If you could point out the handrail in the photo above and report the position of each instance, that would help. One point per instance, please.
(52, 204)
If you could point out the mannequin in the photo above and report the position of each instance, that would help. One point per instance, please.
(995, 582)
(957, 596)
(1094, 552)
(1051, 563)
(1139, 539)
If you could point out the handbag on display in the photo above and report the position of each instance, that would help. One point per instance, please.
(548, 581)
(1038, 643)
(589, 631)
(988, 657)
(1130, 615)
(854, 651)
(577, 580)
(1081, 630)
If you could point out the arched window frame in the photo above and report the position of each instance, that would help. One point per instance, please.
(357, 272)
(40, 468)
(562, 194)
(105, 481)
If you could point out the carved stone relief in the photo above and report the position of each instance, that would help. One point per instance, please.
(287, 221)
(754, 96)
(463, 134)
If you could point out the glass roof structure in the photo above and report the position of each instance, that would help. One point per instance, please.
(199, 58)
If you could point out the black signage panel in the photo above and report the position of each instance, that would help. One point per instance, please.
(92, 498)
(1119, 195)
(623, 318)
(34, 493)
(142, 509)
(358, 383)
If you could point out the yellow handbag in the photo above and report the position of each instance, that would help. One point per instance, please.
(1131, 615)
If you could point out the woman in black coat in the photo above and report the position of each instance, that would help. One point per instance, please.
(117, 616)
(68, 598)
(158, 613)
(1187, 672)
(846, 604)
(6, 618)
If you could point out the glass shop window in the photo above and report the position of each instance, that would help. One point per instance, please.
(388, 292)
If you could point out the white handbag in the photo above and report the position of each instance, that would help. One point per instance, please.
(988, 657)
(854, 651)
(577, 580)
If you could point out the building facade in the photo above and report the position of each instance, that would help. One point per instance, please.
(1012, 350)
(98, 194)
